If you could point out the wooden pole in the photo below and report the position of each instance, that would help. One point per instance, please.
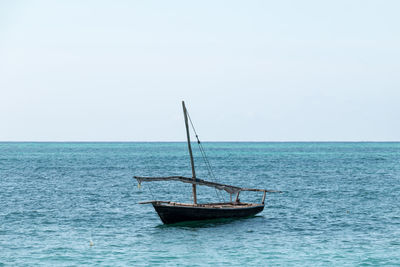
(237, 197)
(263, 199)
(190, 152)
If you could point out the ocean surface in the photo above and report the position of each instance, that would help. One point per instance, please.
(65, 204)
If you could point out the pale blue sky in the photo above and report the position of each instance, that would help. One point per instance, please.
(248, 70)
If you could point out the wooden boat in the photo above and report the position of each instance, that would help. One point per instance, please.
(173, 212)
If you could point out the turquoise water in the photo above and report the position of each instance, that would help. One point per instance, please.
(340, 205)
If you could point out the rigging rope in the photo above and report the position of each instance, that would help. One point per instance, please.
(205, 158)
(149, 187)
(151, 192)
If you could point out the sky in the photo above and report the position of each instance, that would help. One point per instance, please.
(247, 70)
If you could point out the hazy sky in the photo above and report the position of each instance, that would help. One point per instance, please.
(248, 70)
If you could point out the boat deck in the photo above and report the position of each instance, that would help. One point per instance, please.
(223, 205)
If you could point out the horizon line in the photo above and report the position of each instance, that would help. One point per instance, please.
(211, 141)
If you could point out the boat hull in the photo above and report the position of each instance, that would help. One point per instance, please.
(173, 214)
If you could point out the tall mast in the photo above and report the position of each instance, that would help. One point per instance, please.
(190, 151)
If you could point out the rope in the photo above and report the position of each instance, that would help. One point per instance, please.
(151, 193)
(148, 188)
(205, 158)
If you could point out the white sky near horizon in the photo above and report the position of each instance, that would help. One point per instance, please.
(247, 70)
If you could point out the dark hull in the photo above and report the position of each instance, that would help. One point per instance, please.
(174, 214)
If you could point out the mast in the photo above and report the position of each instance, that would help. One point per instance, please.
(190, 151)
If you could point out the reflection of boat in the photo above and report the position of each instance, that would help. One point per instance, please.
(172, 212)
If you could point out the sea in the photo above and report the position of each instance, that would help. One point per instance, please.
(77, 204)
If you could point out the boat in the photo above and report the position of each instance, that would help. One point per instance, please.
(173, 212)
